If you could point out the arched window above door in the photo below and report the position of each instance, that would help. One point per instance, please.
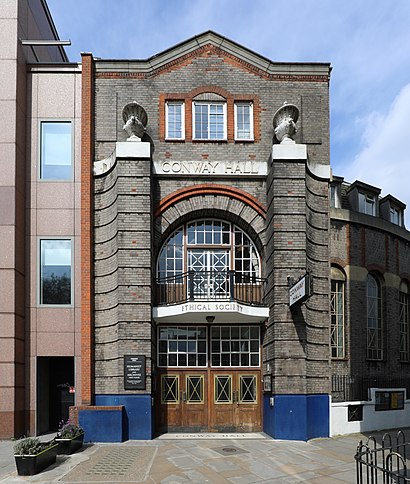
(209, 259)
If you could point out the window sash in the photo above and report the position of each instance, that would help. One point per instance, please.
(209, 121)
(55, 150)
(244, 121)
(337, 320)
(55, 286)
(367, 204)
(175, 120)
(395, 216)
(374, 320)
(404, 322)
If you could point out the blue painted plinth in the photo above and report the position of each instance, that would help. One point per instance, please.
(138, 421)
(296, 417)
(102, 425)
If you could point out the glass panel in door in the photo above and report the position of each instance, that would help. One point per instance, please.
(210, 273)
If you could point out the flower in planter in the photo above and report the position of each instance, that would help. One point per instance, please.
(68, 430)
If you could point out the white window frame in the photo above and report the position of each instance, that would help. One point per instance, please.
(367, 204)
(335, 195)
(238, 350)
(251, 135)
(40, 150)
(337, 310)
(396, 216)
(182, 105)
(209, 103)
(182, 340)
(39, 272)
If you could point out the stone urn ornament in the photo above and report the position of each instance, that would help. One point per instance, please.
(284, 123)
(135, 119)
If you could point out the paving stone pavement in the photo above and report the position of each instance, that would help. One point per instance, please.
(202, 460)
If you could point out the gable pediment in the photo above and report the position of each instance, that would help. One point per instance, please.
(211, 44)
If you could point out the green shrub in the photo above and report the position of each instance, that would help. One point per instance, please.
(28, 446)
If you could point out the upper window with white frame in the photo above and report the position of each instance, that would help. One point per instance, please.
(396, 216)
(244, 121)
(209, 120)
(367, 203)
(55, 272)
(175, 120)
(56, 150)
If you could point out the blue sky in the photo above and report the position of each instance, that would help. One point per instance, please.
(366, 41)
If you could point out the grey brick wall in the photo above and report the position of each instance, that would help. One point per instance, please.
(123, 271)
(357, 249)
(293, 238)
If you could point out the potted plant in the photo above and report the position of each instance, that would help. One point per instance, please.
(70, 437)
(32, 455)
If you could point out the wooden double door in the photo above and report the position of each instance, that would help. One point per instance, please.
(209, 401)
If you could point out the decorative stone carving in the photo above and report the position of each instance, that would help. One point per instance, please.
(135, 119)
(284, 122)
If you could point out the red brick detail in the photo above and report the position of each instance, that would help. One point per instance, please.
(210, 50)
(188, 98)
(210, 189)
(348, 245)
(87, 289)
(335, 261)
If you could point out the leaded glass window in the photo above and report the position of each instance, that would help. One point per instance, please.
(374, 319)
(404, 319)
(337, 312)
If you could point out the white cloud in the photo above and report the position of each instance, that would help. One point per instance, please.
(384, 160)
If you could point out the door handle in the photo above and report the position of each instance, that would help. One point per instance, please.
(183, 397)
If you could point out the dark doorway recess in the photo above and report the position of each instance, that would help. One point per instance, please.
(55, 379)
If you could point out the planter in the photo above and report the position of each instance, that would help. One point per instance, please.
(69, 446)
(29, 465)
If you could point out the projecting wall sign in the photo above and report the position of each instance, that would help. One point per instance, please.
(300, 290)
(206, 168)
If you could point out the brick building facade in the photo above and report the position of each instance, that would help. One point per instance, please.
(219, 278)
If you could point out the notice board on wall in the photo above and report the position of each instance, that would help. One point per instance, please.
(134, 372)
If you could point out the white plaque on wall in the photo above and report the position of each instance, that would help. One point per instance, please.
(210, 168)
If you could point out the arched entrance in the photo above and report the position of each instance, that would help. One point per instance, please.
(208, 359)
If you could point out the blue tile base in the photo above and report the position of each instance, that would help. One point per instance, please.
(296, 417)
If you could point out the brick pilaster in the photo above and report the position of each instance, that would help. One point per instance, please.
(87, 292)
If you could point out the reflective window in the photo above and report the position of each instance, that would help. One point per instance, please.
(55, 271)
(396, 216)
(209, 120)
(175, 120)
(244, 121)
(367, 204)
(56, 151)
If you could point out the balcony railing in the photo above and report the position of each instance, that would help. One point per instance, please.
(210, 286)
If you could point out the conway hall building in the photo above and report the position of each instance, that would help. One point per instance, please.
(177, 255)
